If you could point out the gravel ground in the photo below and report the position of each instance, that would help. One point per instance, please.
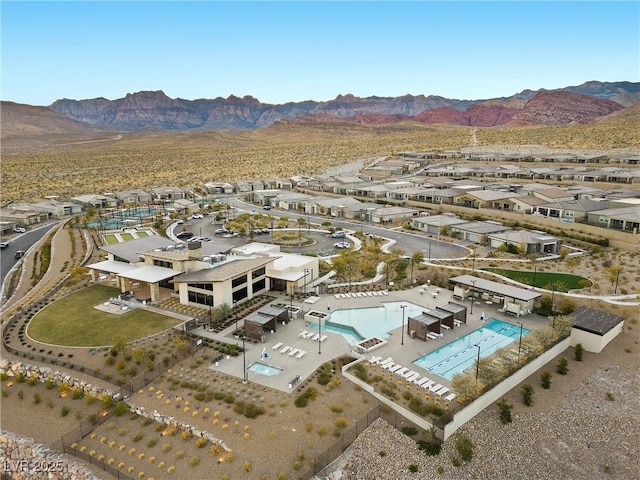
(585, 426)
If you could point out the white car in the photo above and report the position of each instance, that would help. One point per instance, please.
(197, 216)
(342, 245)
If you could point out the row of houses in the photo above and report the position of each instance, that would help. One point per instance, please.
(628, 158)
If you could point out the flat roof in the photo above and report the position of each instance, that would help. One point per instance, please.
(273, 310)
(496, 288)
(595, 321)
(150, 274)
(132, 250)
(425, 318)
(225, 271)
(111, 266)
(453, 307)
(260, 318)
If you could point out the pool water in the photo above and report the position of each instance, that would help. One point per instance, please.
(460, 354)
(264, 369)
(357, 324)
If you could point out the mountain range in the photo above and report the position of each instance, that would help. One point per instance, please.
(585, 103)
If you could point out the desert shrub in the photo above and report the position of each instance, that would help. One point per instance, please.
(579, 350)
(166, 447)
(545, 379)
(64, 411)
(340, 422)
(195, 460)
(201, 442)
(336, 408)
(120, 409)
(464, 447)
(527, 395)
(303, 399)
(431, 448)
(562, 366)
(410, 431)
(37, 398)
(413, 468)
(505, 411)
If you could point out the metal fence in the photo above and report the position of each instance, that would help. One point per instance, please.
(114, 471)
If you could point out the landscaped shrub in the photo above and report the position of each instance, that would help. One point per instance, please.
(579, 350)
(545, 379)
(413, 468)
(64, 411)
(464, 447)
(527, 395)
(303, 399)
(120, 409)
(431, 448)
(562, 366)
(138, 436)
(410, 431)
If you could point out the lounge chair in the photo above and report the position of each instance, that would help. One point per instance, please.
(337, 295)
(409, 373)
(385, 361)
(457, 323)
(388, 366)
(412, 377)
(309, 335)
(442, 391)
(293, 352)
(421, 381)
(303, 334)
(301, 354)
(432, 336)
(395, 368)
(435, 388)
(446, 327)
(285, 349)
(402, 371)
(277, 346)
(428, 384)
(384, 292)
(323, 338)
(316, 337)
(375, 359)
(450, 397)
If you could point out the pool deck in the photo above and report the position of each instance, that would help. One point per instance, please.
(335, 344)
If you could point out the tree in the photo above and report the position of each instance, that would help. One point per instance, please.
(613, 273)
(490, 372)
(572, 263)
(464, 385)
(417, 258)
(545, 379)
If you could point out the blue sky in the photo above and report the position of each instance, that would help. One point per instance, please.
(293, 51)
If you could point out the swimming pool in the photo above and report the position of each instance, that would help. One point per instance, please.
(460, 354)
(264, 369)
(357, 324)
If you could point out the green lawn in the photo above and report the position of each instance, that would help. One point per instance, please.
(142, 234)
(563, 281)
(110, 239)
(126, 236)
(73, 321)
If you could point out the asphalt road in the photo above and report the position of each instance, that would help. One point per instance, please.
(23, 241)
(410, 243)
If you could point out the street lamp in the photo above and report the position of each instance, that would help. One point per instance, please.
(553, 309)
(520, 342)
(473, 286)
(402, 337)
(473, 267)
(306, 272)
(235, 309)
(477, 364)
(244, 361)
(319, 335)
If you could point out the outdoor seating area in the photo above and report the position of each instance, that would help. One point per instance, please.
(291, 351)
(373, 293)
(411, 377)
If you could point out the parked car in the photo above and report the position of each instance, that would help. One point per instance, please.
(342, 245)
(339, 234)
(4, 244)
(220, 231)
(19, 254)
(197, 216)
(19, 229)
(184, 235)
(266, 207)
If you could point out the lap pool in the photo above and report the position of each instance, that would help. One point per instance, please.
(357, 324)
(460, 354)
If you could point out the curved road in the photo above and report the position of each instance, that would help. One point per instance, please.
(21, 242)
(409, 242)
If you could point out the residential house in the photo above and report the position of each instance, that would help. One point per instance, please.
(95, 201)
(477, 232)
(626, 219)
(390, 214)
(569, 211)
(168, 193)
(218, 187)
(434, 225)
(130, 197)
(528, 241)
(553, 194)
